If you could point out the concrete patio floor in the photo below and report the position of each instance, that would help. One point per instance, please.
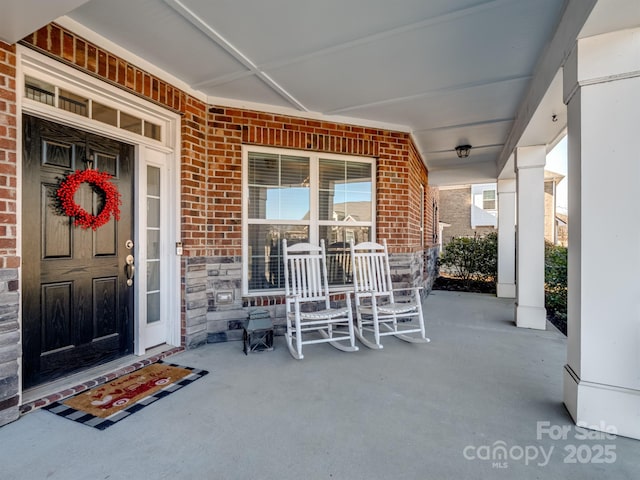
(433, 411)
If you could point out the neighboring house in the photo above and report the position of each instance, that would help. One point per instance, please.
(473, 209)
(562, 229)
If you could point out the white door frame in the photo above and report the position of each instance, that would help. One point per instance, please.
(164, 153)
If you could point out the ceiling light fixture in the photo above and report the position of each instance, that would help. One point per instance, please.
(463, 151)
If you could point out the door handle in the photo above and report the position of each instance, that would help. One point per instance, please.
(130, 269)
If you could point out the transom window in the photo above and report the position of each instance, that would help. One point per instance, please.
(50, 94)
(303, 197)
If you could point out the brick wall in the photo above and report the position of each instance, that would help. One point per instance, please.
(9, 261)
(398, 176)
(210, 157)
(455, 209)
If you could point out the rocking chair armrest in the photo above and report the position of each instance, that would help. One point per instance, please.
(295, 297)
(369, 293)
(346, 294)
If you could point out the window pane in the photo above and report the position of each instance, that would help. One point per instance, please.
(104, 114)
(153, 307)
(73, 103)
(153, 244)
(279, 203)
(345, 190)
(265, 259)
(153, 181)
(130, 123)
(336, 239)
(489, 199)
(153, 212)
(151, 130)
(153, 275)
(39, 91)
(263, 169)
(278, 187)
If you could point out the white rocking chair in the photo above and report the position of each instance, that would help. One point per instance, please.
(379, 310)
(308, 302)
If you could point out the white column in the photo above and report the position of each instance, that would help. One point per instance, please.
(530, 311)
(506, 238)
(602, 92)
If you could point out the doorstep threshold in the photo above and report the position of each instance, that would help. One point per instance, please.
(43, 395)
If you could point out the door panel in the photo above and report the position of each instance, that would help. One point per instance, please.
(77, 307)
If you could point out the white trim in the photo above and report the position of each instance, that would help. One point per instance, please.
(313, 222)
(32, 63)
(292, 112)
(597, 406)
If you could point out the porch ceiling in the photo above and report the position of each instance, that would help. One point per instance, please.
(450, 72)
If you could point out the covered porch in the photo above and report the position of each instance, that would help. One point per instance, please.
(216, 113)
(441, 410)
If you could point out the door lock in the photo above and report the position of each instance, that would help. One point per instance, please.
(130, 269)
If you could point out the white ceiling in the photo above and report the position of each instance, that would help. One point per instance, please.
(449, 71)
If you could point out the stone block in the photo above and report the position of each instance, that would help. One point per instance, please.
(9, 353)
(192, 330)
(10, 338)
(197, 303)
(217, 337)
(9, 415)
(196, 288)
(197, 340)
(216, 326)
(226, 315)
(7, 274)
(196, 320)
(235, 324)
(9, 325)
(9, 369)
(234, 335)
(196, 313)
(8, 387)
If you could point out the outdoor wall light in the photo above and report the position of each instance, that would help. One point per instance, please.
(463, 151)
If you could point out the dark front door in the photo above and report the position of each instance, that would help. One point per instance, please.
(77, 307)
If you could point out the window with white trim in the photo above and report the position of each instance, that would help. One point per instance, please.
(484, 208)
(303, 197)
(489, 200)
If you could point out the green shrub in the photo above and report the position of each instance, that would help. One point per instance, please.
(472, 258)
(555, 283)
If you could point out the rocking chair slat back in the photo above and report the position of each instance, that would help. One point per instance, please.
(306, 288)
(371, 269)
(306, 275)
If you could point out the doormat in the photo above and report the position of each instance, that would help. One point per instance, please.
(110, 402)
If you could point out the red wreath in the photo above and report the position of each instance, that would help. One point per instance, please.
(98, 180)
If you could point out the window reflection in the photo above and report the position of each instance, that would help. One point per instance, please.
(265, 256)
(278, 187)
(337, 240)
(345, 190)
